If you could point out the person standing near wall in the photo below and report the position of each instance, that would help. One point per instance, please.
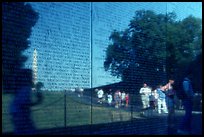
(170, 100)
(120, 98)
(153, 99)
(145, 92)
(185, 127)
(20, 108)
(18, 19)
(100, 95)
(110, 98)
(126, 99)
(161, 99)
(117, 99)
(123, 98)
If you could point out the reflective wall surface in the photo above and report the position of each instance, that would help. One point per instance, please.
(84, 47)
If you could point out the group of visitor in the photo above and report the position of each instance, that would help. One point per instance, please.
(161, 98)
(116, 99)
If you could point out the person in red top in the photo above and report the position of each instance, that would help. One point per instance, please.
(127, 99)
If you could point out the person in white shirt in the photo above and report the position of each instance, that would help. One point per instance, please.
(123, 98)
(120, 98)
(110, 98)
(145, 92)
(100, 96)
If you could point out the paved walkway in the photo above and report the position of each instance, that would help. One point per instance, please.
(196, 123)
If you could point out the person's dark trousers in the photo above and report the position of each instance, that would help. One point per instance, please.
(23, 123)
(187, 119)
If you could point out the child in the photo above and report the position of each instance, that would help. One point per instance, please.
(110, 98)
(127, 99)
(161, 99)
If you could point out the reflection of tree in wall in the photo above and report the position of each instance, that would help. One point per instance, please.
(183, 41)
(150, 41)
(17, 21)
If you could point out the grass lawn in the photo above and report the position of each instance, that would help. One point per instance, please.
(50, 113)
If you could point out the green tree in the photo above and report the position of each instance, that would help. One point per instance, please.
(141, 45)
(183, 43)
(150, 41)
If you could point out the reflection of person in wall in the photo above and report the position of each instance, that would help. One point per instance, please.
(100, 95)
(170, 100)
(117, 98)
(126, 99)
(20, 108)
(120, 98)
(169, 93)
(80, 92)
(153, 99)
(145, 92)
(123, 98)
(187, 101)
(161, 99)
(110, 98)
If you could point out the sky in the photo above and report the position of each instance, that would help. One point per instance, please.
(71, 43)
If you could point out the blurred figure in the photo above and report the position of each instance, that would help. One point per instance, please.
(185, 127)
(170, 94)
(110, 98)
(79, 91)
(104, 98)
(170, 101)
(18, 18)
(117, 99)
(127, 99)
(123, 98)
(20, 108)
(153, 99)
(145, 92)
(100, 95)
(161, 99)
(120, 98)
